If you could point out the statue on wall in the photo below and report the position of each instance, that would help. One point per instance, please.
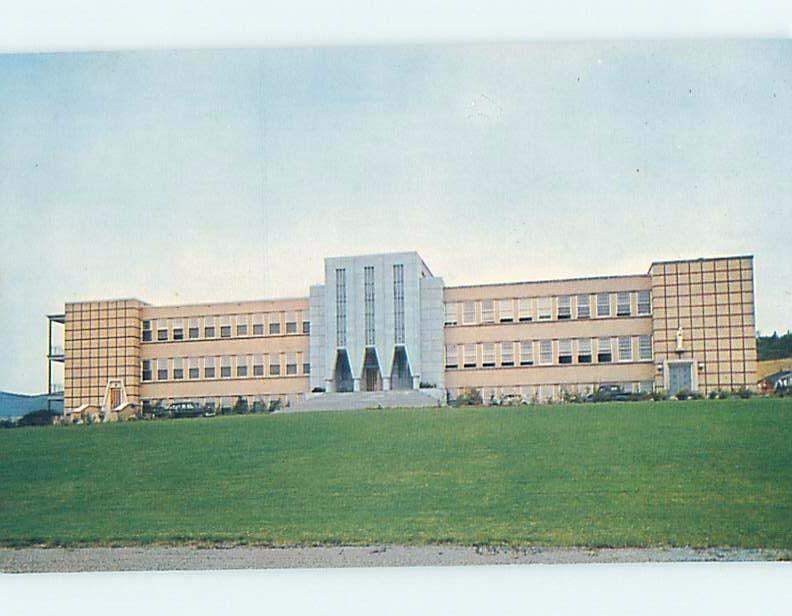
(679, 339)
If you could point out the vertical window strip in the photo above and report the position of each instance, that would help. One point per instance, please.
(368, 292)
(341, 302)
(398, 303)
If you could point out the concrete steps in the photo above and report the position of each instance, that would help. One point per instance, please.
(412, 398)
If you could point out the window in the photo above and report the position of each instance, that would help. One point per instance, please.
(564, 307)
(291, 322)
(195, 367)
(488, 354)
(291, 363)
(306, 326)
(644, 347)
(209, 327)
(398, 304)
(242, 325)
(306, 368)
(146, 370)
(225, 327)
(584, 350)
(274, 325)
(469, 355)
(452, 356)
(225, 366)
(451, 309)
(526, 353)
(644, 302)
(162, 330)
(604, 353)
(178, 329)
(506, 310)
(274, 365)
(546, 352)
(258, 324)
(603, 304)
(368, 301)
(625, 348)
(241, 366)
(584, 306)
(178, 368)
(193, 329)
(623, 304)
(258, 365)
(487, 311)
(525, 308)
(544, 308)
(507, 353)
(209, 367)
(146, 337)
(341, 301)
(162, 369)
(468, 313)
(565, 351)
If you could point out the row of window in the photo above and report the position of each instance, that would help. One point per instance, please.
(545, 353)
(562, 307)
(224, 366)
(226, 326)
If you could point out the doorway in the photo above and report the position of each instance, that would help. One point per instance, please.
(372, 377)
(342, 379)
(401, 376)
(680, 376)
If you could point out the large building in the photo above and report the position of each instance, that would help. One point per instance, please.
(386, 322)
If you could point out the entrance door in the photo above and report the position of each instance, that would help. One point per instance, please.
(115, 397)
(680, 377)
(372, 377)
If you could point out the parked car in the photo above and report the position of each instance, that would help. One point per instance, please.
(608, 393)
(511, 400)
(185, 409)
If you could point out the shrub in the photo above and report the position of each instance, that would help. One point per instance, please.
(695, 395)
(274, 405)
(659, 394)
(745, 393)
(470, 396)
(682, 394)
(713, 394)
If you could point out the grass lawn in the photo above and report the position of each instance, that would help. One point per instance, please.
(699, 473)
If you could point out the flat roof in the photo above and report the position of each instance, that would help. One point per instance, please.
(545, 281)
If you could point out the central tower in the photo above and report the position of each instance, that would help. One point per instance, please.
(376, 324)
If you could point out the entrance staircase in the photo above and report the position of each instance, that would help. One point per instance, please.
(412, 398)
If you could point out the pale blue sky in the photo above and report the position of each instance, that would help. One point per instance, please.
(214, 175)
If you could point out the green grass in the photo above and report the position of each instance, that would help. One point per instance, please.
(706, 473)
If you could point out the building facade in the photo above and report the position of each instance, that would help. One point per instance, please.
(381, 322)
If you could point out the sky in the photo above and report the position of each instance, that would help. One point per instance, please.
(196, 176)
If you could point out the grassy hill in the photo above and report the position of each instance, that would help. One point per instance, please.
(17, 405)
(703, 473)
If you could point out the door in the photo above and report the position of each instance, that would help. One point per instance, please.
(680, 377)
(115, 397)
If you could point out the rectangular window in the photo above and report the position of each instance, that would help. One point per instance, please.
(564, 307)
(644, 302)
(306, 368)
(146, 336)
(525, 308)
(603, 304)
(209, 327)
(451, 356)
(488, 354)
(604, 352)
(146, 370)
(209, 367)
(469, 355)
(507, 353)
(546, 352)
(306, 327)
(451, 309)
(193, 329)
(341, 303)
(195, 367)
(584, 306)
(258, 324)
(487, 311)
(468, 313)
(274, 325)
(368, 301)
(274, 365)
(623, 304)
(258, 365)
(398, 304)
(625, 348)
(291, 322)
(178, 329)
(526, 353)
(291, 363)
(178, 368)
(162, 330)
(544, 308)
(242, 325)
(225, 366)
(644, 347)
(584, 350)
(225, 326)
(506, 310)
(162, 369)
(565, 351)
(241, 366)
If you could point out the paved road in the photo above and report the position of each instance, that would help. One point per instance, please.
(29, 560)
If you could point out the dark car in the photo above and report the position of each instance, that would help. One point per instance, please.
(185, 409)
(608, 393)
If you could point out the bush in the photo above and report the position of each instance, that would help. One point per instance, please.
(745, 393)
(682, 394)
(470, 397)
(274, 405)
(658, 395)
(42, 417)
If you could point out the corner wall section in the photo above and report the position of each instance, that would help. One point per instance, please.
(432, 335)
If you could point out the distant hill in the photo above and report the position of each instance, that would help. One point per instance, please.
(16, 405)
(774, 347)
